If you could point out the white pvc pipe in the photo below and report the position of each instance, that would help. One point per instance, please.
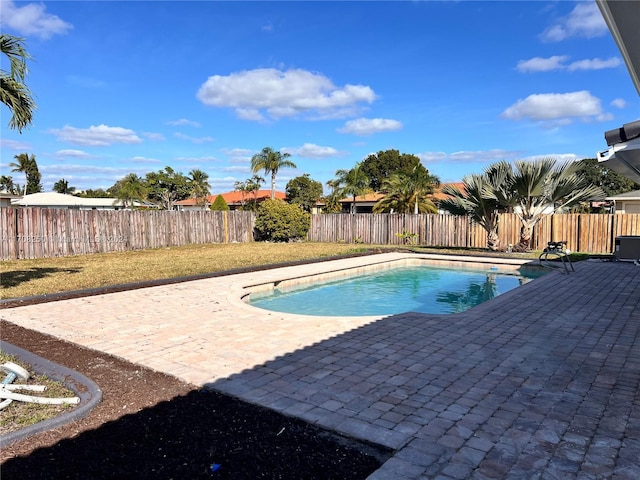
(5, 403)
(19, 386)
(32, 399)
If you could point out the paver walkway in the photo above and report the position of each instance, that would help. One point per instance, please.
(541, 382)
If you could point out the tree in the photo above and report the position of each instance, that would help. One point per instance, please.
(62, 186)
(352, 182)
(199, 185)
(130, 189)
(408, 192)
(332, 201)
(97, 193)
(219, 204)
(279, 221)
(167, 186)
(304, 191)
(7, 185)
(613, 183)
(250, 186)
(380, 166)
(14, 93)
(476, 200)
(530, 189)
(27, 164)
(271, 162)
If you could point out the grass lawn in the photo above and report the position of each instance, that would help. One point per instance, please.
(23, 278)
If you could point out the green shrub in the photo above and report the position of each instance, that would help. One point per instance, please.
(219, 204)
(280, 222)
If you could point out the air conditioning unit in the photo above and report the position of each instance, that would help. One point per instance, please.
(627, 247)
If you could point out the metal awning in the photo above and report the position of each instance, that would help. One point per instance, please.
(623, 154)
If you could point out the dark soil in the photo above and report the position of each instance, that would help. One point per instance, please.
(151, 425)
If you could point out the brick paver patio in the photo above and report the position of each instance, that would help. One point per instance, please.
(541, 382)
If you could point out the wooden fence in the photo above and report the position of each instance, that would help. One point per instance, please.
(592, 233)
(42, 233)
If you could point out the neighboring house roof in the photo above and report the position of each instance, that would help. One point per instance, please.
(235, 197)
(634, 195)
(53, 199)
(374, 197)
(12, 196)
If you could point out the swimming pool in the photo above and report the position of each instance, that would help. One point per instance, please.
(424, 288)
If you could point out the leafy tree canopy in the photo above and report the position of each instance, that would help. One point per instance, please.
(613, 183)
(167, 186)
(62, 186)
(7, 185)
(380, 166)
(27, 164)
(304, 191)
(14, 92)
(94, 193)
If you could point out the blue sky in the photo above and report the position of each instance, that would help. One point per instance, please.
(136, 86)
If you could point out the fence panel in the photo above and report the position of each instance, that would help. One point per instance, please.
(38, 233)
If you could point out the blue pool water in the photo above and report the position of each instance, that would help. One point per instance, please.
(423, 289)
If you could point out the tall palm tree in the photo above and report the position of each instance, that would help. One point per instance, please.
(199, 185)
(14, 93)
(533, 188)
(352, 182)
(477, 200)
(406, 192)
(62, 186)
(271, 162)
(27, 164)
(129, 189)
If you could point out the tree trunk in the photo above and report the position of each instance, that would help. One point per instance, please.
(493, 242)
(273, 185)
(526, 232)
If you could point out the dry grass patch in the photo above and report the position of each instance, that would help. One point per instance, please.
(23, 278)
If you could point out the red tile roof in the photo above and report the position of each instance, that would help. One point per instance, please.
(235, 197)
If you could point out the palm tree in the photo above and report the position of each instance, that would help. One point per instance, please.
(408, 192)
(476, 201)
(352, 182)
(14, 93)
(62, 186)
(534, 188)
(129, 189)
(8, 185)
(271, 162)
(26, 164)
(199, 185)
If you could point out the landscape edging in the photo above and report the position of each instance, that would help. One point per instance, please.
(85, 388)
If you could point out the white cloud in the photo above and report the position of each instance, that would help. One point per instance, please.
(237, 168)
(99, 136)
(277, 94)
(478, 156)
(619, 103)
(193, 139)
(584, 21)
(157, 137)
(562, 107)
(310, 150)
(14, 144)
(145, 160)
(558, 62)
(538, 64)
(72, 154)
(183, 121)
(32, 19)
(369, 126)
(595, 64)
(197, 159)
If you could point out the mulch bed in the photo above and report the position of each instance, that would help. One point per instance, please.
(151, 425)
